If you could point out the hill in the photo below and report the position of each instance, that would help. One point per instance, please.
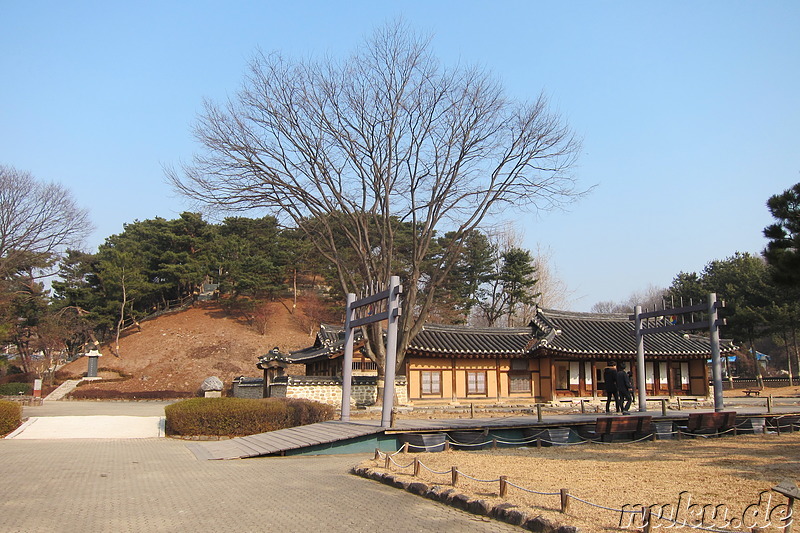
(177, 351)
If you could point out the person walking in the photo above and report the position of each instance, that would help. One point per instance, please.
(624, 389)
(610, 384)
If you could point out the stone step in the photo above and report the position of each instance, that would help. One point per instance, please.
(63, 389)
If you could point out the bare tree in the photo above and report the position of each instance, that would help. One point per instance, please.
(349, 150)
(652, 297)
(36, 218)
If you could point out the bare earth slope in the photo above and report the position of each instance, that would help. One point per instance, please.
(177, 351)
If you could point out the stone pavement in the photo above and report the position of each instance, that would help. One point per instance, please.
(157, 485)
(92, 420)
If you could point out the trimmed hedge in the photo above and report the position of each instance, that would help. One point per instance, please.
(102, 394)
(237, 417)
(10, 416)
(15, 389)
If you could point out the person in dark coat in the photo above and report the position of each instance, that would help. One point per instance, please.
(624, 389)
(610, 381)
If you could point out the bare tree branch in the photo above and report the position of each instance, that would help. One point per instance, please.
(385, 137)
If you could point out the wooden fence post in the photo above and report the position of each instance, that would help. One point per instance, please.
(503, 486)
(564, 500)
(446, 445)
(647, 516)
(388, 459)
(416, 467)
(377, 454)
(405, 447)
(539, 412)
(454, 475)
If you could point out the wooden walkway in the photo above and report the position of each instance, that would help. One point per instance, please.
(283, 440)
(335, 434)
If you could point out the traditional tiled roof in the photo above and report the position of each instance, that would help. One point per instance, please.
(471, 342)
(551, 332)
(328, 344)
(607, 335)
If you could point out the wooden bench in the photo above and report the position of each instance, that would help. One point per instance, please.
(754, 392)
(710, 423)
(611, 428)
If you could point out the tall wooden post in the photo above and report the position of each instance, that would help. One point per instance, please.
(641, 378)
(393, 311)
(716, 364)
(347, 363)
(392, 315)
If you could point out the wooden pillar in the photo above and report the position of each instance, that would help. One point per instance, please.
(453, 380)
(497, 376)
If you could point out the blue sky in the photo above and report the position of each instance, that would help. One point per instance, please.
(689, 111)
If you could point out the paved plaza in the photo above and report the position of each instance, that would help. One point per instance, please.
(157, 485)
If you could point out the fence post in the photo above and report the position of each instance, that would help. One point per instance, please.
(446, 445)
(679, 403)
(454, 475)
(503, 486)
(377, 454)
(564, 500)
(539, 412)
(646, 519)
(538, 443)
(472, 410)
(769, 403)
(416, 467)
(583, 406)
(663, 407)
(388, 459)
(405, 447)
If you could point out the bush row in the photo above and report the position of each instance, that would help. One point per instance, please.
(15, 389)
(236, 417)
(10, 416)
(99, 394)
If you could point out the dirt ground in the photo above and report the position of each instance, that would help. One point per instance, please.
(177, 351)
(685, 479)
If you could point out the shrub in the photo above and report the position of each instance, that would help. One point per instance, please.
(15, 389)
(236, 417)
(104, 394)
(10, 416)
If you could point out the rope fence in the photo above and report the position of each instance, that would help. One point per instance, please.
(643, 513)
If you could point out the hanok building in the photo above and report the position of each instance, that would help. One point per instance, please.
(560, 355)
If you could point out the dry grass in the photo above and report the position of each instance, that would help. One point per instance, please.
(733, 471)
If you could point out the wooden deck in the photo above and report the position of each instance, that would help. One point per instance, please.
(365, 435)
(285, 440)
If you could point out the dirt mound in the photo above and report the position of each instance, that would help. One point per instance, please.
(176, 352)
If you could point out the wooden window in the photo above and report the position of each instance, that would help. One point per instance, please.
(519, 378)
(520, 382)
(431, 382)
(476, 382)
(562, 375)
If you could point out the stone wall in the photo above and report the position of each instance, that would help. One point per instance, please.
(329, 389)
(244, 387)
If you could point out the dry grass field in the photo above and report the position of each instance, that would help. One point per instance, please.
(687, 480)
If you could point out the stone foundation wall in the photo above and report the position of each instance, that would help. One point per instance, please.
(329, 390)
